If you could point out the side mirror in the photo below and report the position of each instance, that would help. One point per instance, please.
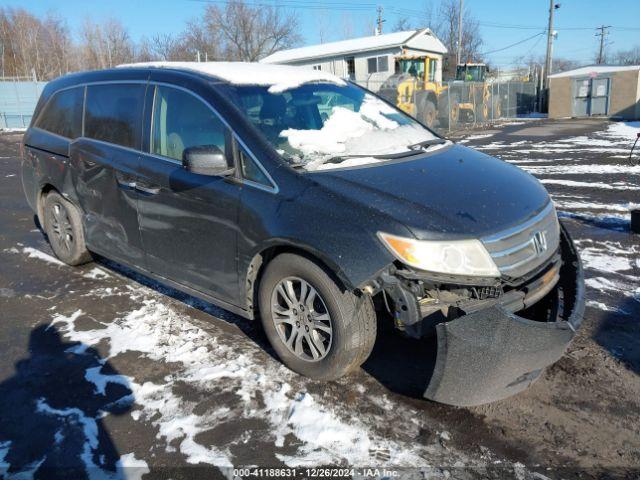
(205, 160)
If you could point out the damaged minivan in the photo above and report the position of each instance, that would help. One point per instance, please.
(297, 198)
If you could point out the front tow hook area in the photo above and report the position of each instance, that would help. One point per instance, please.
(492, 354)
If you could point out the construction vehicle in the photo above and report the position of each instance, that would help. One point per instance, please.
(476, 102)
(413, 89)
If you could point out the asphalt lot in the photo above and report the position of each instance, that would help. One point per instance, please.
(105, 372)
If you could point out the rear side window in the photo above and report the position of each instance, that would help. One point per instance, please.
(113, 113)
(63, 113)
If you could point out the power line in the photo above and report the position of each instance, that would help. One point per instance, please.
(513, 44)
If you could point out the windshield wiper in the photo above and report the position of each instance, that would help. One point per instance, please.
(414, 149)
(427, 143)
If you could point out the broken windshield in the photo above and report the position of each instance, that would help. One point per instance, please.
(320, 126)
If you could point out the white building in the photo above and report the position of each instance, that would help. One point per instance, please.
(368, 60)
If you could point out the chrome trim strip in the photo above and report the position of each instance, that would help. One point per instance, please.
(510, 232)
(508, 251)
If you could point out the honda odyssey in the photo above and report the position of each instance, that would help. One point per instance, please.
(297, 198)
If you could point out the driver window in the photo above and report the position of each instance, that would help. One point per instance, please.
(180, 121)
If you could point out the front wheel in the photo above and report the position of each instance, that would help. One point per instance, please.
(316, 328)
(428, 114)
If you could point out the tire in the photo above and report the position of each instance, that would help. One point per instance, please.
(352, 319)
(428, 113)
(63, 226)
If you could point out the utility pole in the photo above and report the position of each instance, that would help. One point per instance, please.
(548, 61)
(603, 33)
(380, 21)
(459, 53)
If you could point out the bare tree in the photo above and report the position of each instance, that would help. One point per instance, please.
(105, 45)
(447, 30)
(164, 47)
(627, 57)
(323, 24)
(347, 26)
(402, 24)
(31, 45)
(250, 33)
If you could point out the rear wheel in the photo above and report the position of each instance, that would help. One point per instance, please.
(317, 329)
(63, 226)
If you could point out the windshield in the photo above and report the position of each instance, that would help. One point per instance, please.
(320, 126)
(414, 67)
(470, 73)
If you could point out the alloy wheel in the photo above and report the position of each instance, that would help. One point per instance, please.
(61, 227)
(301, 319)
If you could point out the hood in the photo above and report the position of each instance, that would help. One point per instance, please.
(455, 192)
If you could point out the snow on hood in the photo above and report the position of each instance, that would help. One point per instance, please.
(278, 77)
(367, 132)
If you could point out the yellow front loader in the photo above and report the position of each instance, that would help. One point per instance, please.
(414, 90)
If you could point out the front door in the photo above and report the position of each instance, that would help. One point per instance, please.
(188, 222)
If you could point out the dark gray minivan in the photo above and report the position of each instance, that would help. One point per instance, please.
(293, 196)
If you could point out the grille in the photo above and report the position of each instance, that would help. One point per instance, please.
(523, 248)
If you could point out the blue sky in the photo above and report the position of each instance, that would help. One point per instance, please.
(575, 20)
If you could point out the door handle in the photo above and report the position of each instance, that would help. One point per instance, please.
(148, 190)
(126, 185)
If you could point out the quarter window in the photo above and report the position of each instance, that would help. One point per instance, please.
(180, 121)
(113, 113)
(63, 113)
(251, 171)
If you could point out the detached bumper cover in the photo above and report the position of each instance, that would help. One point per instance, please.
(492, 354)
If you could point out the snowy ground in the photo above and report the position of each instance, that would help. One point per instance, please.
(122, 377)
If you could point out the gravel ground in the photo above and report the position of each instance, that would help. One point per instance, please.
(109, 374)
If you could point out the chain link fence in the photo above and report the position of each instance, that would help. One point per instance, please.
(18, 98)
(456, 104)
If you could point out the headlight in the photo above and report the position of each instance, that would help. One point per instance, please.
(453, 257)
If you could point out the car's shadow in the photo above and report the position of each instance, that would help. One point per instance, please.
(403, 365)
(619, 334)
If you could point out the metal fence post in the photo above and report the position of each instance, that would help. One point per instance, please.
(449, 107)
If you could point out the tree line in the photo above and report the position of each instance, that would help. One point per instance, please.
(45, 46)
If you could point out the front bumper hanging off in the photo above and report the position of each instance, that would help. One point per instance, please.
(492, 354)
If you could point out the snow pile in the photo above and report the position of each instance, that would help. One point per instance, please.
(96, 274)
(277, 77)
(264, 392)
(601, 185)
(135, 469)
(623, 130)
(597, 169)
(368, 132)
(33, 253)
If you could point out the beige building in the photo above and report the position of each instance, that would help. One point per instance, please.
(597, 90)
(369, 61)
